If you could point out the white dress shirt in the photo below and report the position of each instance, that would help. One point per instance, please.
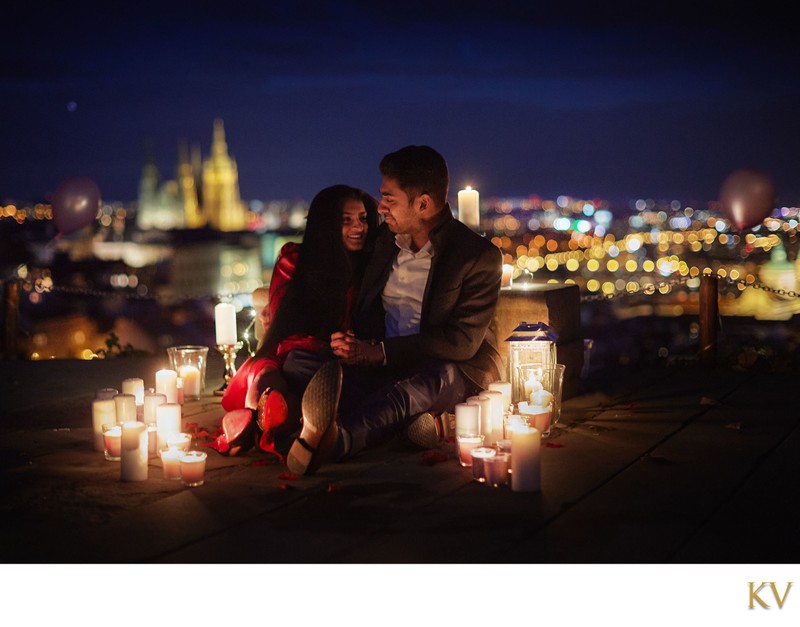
(403, 292)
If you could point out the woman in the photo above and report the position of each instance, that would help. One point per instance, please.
(311, 292)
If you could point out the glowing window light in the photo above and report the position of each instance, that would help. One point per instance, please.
(593, 285)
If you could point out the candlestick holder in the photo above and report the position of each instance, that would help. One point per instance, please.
(228, 352)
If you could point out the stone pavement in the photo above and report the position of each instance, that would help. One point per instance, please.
(681, 464)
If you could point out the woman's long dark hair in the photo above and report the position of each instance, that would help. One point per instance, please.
(316, 297)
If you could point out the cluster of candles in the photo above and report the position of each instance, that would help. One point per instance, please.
(133, 425)
(503, 447)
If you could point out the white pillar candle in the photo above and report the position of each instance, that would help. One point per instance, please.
(468, 418)
(126, 407)
(191, 382)
(179, 390)
(525, 459)
(168, 422)
(152, 440)
(492, 429)
(133, 458)
(193, 468)
(508, 272)
(485, 404)
(104, 412)
(514, 421)
(504, 387)
(167, 384)
(469, 208)
(171, 463)
(151, 401)
(225, 324)
(136, 387)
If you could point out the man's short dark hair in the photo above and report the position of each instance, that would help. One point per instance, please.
(418, 170)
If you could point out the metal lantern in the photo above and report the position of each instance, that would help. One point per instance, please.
(530, 344)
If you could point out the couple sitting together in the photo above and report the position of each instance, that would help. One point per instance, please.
(371, 331)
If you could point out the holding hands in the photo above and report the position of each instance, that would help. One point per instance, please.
(354, 352)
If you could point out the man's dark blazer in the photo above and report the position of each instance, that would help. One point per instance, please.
(457, 307)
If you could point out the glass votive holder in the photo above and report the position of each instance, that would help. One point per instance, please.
(495, 469)
(189, 362)
(193, 468)
(171, 462)
(112, 442)
(466, 443)
(181, 441)
(510, 421)
(479, 455)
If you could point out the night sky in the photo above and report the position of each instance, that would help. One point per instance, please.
(619, 101)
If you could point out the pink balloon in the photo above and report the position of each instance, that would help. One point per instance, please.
(747, 198)
(75, 204)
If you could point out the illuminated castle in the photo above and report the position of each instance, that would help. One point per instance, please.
(199, 197)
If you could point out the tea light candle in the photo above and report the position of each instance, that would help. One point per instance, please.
(466, 443)
(168, 422)
(151, 401)
(478, 455)
(225, 324)
(193, 468)
(167, 384)
(495, 468)
(126, 407)
(136, 387)
(191, 381)
(104, 412)
(525, 459)
(467, 418)
(508, 273)
(133, 453)
(504, 387)
(104, 393)
(469, 208)
(171, 463)
(180, 441)
(112, 441)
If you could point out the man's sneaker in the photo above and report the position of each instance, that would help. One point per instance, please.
(426, 430)
(320, 421)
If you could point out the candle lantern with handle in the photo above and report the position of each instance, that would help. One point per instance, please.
(529, 344)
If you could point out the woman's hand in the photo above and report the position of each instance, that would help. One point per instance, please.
(354, 352)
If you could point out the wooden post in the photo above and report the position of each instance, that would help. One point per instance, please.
(709, 318)
(10, 318)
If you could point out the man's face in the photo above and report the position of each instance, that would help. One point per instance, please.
(399, 212)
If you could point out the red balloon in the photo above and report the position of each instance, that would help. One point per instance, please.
(747, 198)
(75, 204)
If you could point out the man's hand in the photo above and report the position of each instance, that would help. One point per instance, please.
(354, 352)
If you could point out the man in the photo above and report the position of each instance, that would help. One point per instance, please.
(421, 341)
